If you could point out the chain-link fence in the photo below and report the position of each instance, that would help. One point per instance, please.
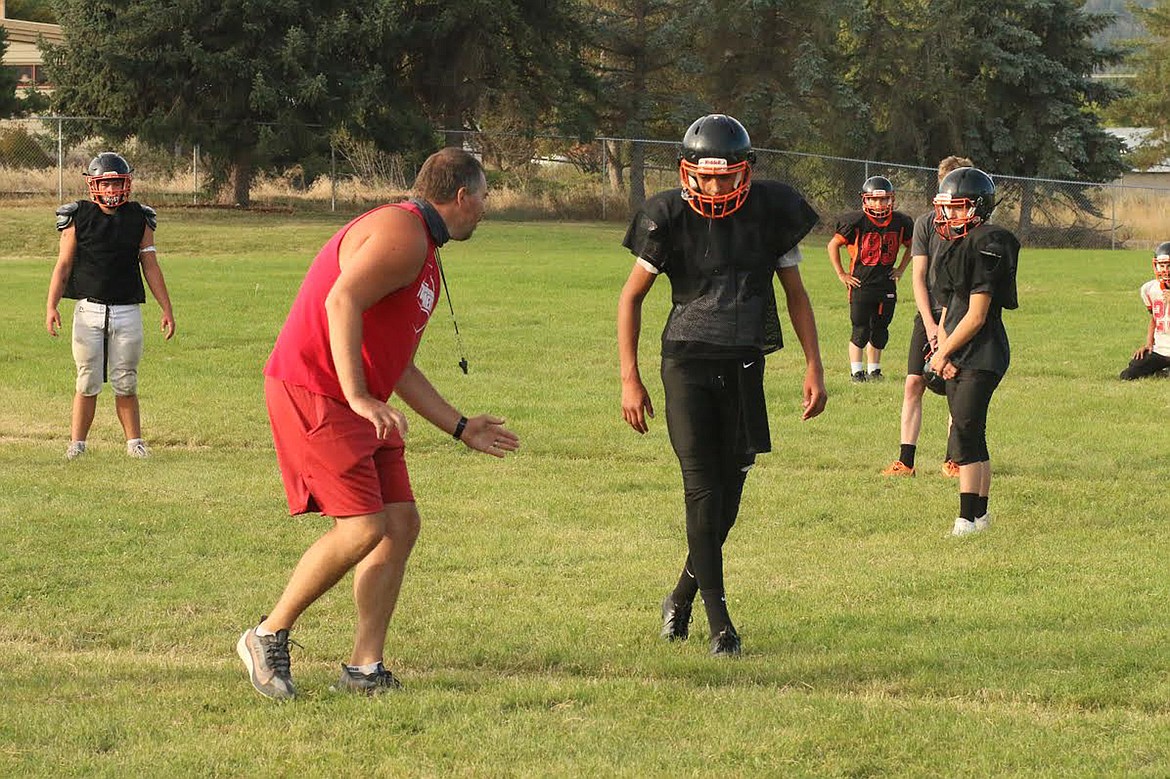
(41, 160)
(551, 177)
(608, 177)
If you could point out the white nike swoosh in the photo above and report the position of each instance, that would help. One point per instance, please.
(749, 364)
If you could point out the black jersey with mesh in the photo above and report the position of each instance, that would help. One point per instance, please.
(721, 270)
(984, 261)
(106, 266)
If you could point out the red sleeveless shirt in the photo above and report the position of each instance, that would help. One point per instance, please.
(391, 328)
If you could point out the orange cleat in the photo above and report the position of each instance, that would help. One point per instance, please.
(950, 469)
(898, 468)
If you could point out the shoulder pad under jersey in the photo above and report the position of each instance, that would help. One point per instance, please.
(151, 216)
(65, 215)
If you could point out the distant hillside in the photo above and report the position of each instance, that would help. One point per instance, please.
(1125, 26)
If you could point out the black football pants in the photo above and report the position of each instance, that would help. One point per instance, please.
(1140, 367)
(717, 422)
(969, 396)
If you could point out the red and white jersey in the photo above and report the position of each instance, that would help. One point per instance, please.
(1158, 304)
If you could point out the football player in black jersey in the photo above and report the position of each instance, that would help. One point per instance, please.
(874, 234)
(974, 281)
(106, 248)
(720, 239)
(923, 335)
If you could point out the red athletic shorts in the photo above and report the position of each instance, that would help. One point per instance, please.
(330, 459)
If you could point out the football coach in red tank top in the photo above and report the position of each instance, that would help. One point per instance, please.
(347, 345)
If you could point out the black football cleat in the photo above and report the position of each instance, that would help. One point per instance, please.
(858, 377)
(726, 643)
(676, 620)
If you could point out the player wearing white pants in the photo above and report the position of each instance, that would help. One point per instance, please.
(107, 346)
(107, 249)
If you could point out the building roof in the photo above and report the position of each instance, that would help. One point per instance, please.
(22, 40)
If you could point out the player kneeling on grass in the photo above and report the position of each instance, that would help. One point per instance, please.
(106, 248)
(1154, 358)
(347, 345)
(975, 281)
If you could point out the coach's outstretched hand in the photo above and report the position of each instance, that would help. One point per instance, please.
(486, 433)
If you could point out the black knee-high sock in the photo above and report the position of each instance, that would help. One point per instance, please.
(967, 505)
(710, 515)
(906, 455)
(715, 604)
(687, 587)
(715, 601)
(980, 505)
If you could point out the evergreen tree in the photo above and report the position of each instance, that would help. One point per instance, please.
(464, 60)
(645, 56)
(250, 81)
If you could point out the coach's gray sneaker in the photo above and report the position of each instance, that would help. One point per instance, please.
(74, 450)
(137, 448)
(266, 658)
(380, 681)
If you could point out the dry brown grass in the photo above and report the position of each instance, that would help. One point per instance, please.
(1131, 216)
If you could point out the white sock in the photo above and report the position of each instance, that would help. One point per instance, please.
(261, 631)
(856, 367)
(132, 442)
(367, 669)
(877, 366)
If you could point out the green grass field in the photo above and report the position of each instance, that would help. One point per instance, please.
(875, 644)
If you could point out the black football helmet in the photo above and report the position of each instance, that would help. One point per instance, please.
(877, 199)
(716, 145)
(1162, 265)
(965, 200)
(112, 167)
(934, 382)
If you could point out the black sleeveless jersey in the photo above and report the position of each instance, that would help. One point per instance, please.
(105, 266)
(983, 261)
(721, 270)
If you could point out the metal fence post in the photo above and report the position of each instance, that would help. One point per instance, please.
(195, 174)
(604, 176)
(1113, 214)
(60, 162)
(332, 177)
